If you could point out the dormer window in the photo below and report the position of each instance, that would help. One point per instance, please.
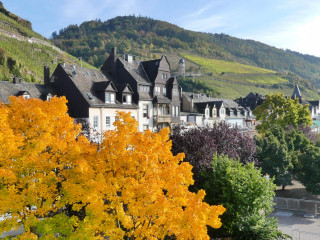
(49, 96)
(214, 112)
(126, 99)
(26, 96)
(109, 97)
(164, 91)
(207, 112)
(222, 111)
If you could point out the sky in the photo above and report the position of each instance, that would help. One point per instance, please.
(286, 24)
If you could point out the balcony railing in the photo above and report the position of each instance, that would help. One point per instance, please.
(162, 118)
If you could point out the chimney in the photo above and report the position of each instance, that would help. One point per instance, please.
(16, 80)
(46, 74)
(113, 54)
(191, 104)
(128, 58)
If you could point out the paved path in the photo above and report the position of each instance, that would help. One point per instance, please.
(296, 225)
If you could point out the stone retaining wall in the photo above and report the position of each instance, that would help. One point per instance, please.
(309, 206)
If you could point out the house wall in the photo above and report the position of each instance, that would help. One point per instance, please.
(102, 113)
(235, 122)
(142, 120)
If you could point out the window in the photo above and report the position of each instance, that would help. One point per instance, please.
(108, 121)
(175, 111)
(214, 112)
(49, 96)
(96, 121)
(126, 99)
(145, 111)
(164, 76)
(145, 127)
(109, 97)
(164, 91)
(157, 90)
(207, 112)
(222, 111)
(26, 96)
(191, 119)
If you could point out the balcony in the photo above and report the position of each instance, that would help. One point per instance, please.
(162, 118)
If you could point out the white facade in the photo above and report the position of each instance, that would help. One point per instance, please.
(102, 119)
(145, 117)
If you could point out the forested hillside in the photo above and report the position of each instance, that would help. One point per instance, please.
(23, 52)
(148, 38)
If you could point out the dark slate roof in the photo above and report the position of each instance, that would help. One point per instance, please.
(201, 106)
(86, 79)
(314, 103)
(151, 68)
(103, 86)
(296, 92)
(161, 99)
(135, 70)
(8, 89)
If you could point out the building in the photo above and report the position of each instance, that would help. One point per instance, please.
(202, 110)
(27, 90)
(92, 96)
(155, 91)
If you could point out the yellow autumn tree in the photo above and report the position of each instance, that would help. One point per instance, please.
(55, 183)
(38, 143)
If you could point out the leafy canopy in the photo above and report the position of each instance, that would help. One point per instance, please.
(133, 187)
(247, 195)
(281, 111)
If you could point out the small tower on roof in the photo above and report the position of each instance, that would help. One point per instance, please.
(296, 92)
(182, 67)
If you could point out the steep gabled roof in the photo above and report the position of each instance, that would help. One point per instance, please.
(104, 86)
(8, 89)
(296, 92)
(151, 68)
(89, 82)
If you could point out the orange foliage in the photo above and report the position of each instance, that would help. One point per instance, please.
(132, 187)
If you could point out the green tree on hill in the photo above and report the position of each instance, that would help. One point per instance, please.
(281, 111)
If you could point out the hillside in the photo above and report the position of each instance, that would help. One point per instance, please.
(231, 79)
(24, 52)
(148, 38)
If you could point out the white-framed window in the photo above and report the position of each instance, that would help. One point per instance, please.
(126, 98)
(26, 96)
(214, 112)
(145, 127)
(222, 111)
(164, 76)
(108, 124)
(145, 111)
(207, 112)
(109, 97)
(175, 111)
(157, 90)
(164, 91)
(96, 121)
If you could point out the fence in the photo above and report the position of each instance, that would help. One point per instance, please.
(298, 234)
(309, 206)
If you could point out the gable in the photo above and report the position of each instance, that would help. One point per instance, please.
(164, 64)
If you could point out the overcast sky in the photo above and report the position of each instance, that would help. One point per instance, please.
(287, 24)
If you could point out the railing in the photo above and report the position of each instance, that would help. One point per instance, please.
(298, 205)
(298, 233)
(162, 118)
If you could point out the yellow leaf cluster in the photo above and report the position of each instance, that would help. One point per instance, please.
(131, 186)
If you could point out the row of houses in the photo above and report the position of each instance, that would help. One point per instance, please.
(146, 89)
